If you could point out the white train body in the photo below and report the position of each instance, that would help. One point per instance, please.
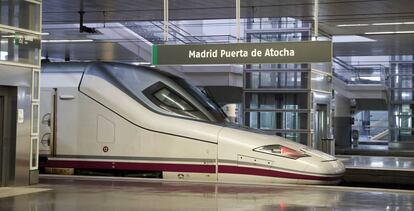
(124, 117)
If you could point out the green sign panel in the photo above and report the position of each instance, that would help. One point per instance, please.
(243, 53)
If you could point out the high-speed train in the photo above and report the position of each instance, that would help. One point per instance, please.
(113, 116)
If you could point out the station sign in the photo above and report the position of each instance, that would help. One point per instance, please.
(243, 53)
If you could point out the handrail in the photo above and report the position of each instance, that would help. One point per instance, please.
(360, 74)
(228, 37)
(143, 31)
(169, 32)
(342, 63)
(184, 31)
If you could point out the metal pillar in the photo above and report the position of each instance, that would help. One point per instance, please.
(316, 19)
(342, 120)
(166, 21)
(238, 20)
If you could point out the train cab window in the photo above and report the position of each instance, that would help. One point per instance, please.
(172, 100)
(169, 100)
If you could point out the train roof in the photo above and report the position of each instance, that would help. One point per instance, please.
(81, 67)
(134, 80)
(64, 67)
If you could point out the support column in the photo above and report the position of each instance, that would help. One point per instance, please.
(316, 19)
(166, 19)
(342, 121)
(238, 20)
(231, 112)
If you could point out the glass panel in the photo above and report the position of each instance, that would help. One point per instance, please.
(268, 67)
(321, 82)
(35, 118)
(19, 47)
(275, 92)
(34, 154)
(170, 101)
(401, 84)
(267, 120)
(402, 94)
(273, 79)
(370, 124)
(278, 120)
(321, 98)
(276, 23)
(20, 14)
(294, 136)
(253, 120)
(276, 101)
(402, 81)
(35, 85)
(323, 67)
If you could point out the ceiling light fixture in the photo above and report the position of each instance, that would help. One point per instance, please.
(141, 63)
(396, 23)
(350, 25)
(405, 32)
(379, 32)
(387, 24)
(396, 32)
(8, 36)
(375, 24)
(66, 41)
(350, 39)
(45, 33)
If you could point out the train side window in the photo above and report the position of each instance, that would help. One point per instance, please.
(172, 100)
(169, 100)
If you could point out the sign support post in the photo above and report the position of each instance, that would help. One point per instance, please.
(238, 20)
(166, 19)
(316, 19)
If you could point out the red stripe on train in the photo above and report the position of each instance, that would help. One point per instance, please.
(132, 166)
(174, 167)
(270, 173)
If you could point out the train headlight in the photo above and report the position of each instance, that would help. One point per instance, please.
(280, 150)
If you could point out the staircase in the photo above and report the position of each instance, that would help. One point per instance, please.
(364, 83)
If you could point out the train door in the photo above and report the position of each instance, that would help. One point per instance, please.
(8, 114)
(321, 125)
(47, 123)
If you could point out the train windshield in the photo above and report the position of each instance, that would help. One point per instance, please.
(209, 104)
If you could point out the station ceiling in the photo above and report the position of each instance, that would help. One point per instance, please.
(336, 17)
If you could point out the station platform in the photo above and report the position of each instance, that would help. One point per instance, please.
(104, 193)
(379, 170)
(374, 149)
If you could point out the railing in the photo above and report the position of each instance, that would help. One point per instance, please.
(183, 33)
(379, 131)
(147, 30)
(360, 74)
(153, 32)
(282, 23)
(179, 35)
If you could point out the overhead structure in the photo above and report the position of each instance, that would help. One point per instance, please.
(316, 19)
(166, 19)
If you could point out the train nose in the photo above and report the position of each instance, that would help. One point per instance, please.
(333, 167)
(325, 172)
(323, 163)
